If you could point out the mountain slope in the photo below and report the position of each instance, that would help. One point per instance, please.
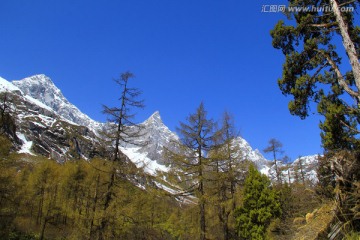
(41, 128)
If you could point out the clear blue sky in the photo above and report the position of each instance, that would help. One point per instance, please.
(182, 52)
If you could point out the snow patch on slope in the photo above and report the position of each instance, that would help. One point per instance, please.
(142, 161)
(26, 147)
(6, 86)
(37, 102)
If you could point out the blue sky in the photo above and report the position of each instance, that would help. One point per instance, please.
(182, 53)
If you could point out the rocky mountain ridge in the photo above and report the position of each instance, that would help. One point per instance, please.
(50, 125)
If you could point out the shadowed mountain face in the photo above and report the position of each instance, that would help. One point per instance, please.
(50, 125)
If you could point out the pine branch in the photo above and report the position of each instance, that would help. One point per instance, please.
(340, 77)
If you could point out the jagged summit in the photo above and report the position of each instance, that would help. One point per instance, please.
(42, 88)
(155, 120)
(249, 153)
(156, 136)
(155, 117)
(157, 129)
(37, 79)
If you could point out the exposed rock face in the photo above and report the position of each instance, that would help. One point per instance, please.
(246, 152)
(38, 121)
(41, 88)
(157, 136)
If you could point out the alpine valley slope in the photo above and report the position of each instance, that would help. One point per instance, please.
(48, 124)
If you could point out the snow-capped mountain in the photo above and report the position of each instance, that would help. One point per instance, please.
(50, 125)
(41, 88)
(248, 153)
(157, 136)
(149, 152)
(304, 168)
(40, 127)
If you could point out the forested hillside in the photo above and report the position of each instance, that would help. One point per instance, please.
(42, 199)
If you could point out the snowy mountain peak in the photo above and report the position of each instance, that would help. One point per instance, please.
(155, 122)
(155, 125)
(249, 153)
(39, 79)
(155, 118)
(41, 88)
(36, 80)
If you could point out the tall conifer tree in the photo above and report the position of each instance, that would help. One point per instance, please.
(275, 148)
(123, 131)
(196, 136)
(229, 167)
(314, 71)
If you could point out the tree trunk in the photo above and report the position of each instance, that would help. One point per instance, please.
(348, 44)
(42, 232)
(95, 199)
(202, 207)
(40, 207)
(44, 223)
(108, 198)
(224, 218)
(202, 195)
(302, 172)
(202, 219)
(289, 176)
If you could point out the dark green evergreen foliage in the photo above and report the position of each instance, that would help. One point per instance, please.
(260, 206)
(338, 128)
(310, 71)
(286, 199)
